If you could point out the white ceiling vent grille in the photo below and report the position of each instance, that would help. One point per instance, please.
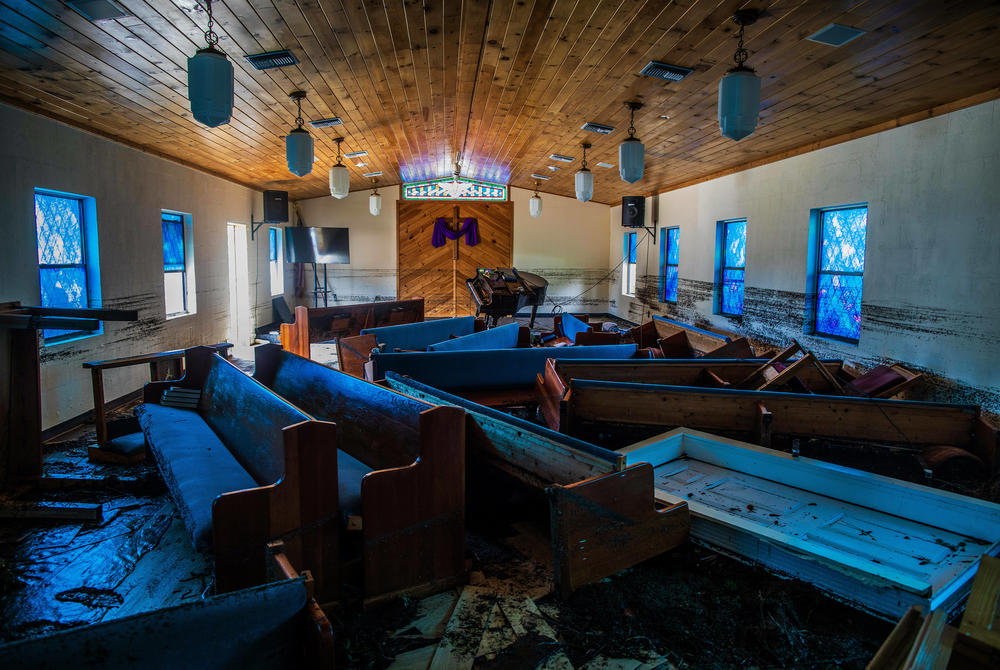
(836, 35)
(99, 10)
(272, 59)
(598, 128)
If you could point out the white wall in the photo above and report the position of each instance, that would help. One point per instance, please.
(566, 246)
(931, 284)
(130, 188)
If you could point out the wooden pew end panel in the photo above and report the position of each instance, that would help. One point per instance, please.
(605, 524)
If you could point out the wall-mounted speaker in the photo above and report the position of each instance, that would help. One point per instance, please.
(275, 206)
(633, 211)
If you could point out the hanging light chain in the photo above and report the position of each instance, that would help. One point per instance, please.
(741, 54)
(299, 121)
(210, 36)
(536, 188)
(339, 140)
(631, 123)
(585, 156)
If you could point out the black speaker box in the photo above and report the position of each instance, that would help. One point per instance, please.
(633, 211)
(275, 206)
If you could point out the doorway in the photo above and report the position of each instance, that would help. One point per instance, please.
(240, 326)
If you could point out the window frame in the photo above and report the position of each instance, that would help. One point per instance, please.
(815, 271)
(665, 262)
(721, 253)
(187, 274)
(630, 247)
(89, 257)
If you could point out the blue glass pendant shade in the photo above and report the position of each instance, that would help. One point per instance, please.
(739, 103)
(210, 87)
(631, 157)
(299, 152)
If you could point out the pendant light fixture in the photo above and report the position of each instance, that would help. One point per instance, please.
(739, 90)
(210, 81)
(374, 201)
(340, 178)
(584, 178)
(631, 152)
(454, 187)
(535, 203)
(298, 142)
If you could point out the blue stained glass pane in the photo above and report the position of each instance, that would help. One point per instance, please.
(272, 254)
(843, 245)
(631, 247)
(838, 306)
(673, 253)
(736, 244)
(670, 283)
(58, 222)
(173, 246)
(732, 291)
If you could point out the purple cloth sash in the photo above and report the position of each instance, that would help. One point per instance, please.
(442, 233)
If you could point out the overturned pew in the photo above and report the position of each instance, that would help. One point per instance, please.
(602, 515)
(625, 412)
(674, 339)
(878, 543)
(552, 385)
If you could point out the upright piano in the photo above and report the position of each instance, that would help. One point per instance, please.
(504, 291)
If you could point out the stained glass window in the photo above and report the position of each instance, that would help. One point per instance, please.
(841, 267)
(670, 256)
(62, 255)
(442, 189)
(628, 285)
(174, 263)
(733, 270)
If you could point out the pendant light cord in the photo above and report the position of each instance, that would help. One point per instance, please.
(631, 123)
(298, 119)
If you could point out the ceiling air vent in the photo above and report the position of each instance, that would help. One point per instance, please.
(326, 123)
(605, 165)
(99, 10)
(836, 35)
(554, 168)
(665, 71)
(373, 174)
(272, 59)
(598, 128)
(543, 177)
(356, 154)
(560, 157)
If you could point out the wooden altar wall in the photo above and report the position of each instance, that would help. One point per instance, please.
(439, 274)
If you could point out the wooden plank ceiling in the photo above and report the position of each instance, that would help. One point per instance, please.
(508, 81)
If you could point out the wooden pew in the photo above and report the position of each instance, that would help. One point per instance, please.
(324, 324)
(650, 408)
(681, 339)
(409, 458)
(281, 476)
(603, 517)
(552, 385)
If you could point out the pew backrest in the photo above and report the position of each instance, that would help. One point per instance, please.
(501, 337)
(377, 426)
(416, 336)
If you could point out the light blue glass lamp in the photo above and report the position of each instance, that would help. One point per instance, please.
(584, 179)
(739, 90)
(210, 81)
(299, 143)
(631, 152)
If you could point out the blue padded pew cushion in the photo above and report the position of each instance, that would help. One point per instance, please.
(196, 465)
(416, 336)
(487, 369)
(571, 326)
(503, 337)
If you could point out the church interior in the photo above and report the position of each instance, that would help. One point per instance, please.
(596, 334)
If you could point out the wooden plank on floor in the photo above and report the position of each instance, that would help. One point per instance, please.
(982, 613)
(49, 511)
(457, 649)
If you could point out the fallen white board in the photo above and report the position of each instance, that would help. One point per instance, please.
(876, 542)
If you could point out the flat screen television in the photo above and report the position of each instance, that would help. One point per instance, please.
(307, 244)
